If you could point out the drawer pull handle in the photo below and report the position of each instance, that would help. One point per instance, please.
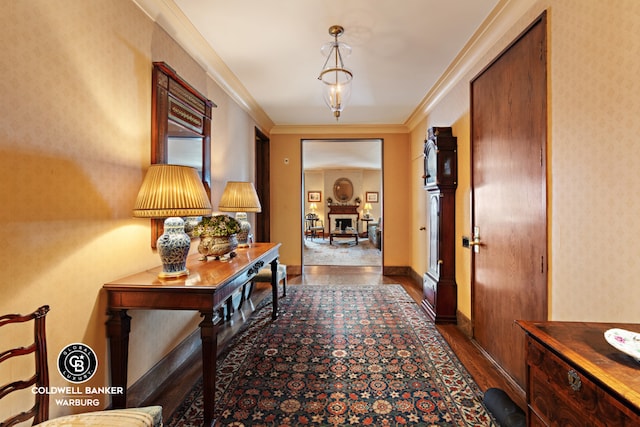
(255, 269)
(574, 380)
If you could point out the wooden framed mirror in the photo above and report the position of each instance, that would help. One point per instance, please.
(180, 128)
(343, 190)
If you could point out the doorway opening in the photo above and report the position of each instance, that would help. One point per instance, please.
(342, 202)
(263, 187)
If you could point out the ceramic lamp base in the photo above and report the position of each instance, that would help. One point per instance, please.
(245, 230)
(173, 247)
(163, 275)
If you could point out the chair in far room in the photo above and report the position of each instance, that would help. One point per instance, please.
(374, 232)
(314, 226)
(317, 230)
(150, 416)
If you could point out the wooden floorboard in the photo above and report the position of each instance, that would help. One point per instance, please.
(481, 368)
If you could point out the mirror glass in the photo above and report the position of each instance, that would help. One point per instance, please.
(185, 152)
(343, 190)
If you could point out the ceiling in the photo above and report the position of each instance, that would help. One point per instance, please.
(266, 53)
(342, 154)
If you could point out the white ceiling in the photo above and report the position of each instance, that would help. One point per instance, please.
(266, 53)
(342, 154)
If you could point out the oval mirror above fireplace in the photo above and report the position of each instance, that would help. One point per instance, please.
(343, 190)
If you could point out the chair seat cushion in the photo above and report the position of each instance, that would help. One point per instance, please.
(264, 275)
(149, 416)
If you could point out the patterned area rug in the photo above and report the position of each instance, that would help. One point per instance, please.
(337, 356)
(343, 251)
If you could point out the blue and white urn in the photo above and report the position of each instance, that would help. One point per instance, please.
(173, 247)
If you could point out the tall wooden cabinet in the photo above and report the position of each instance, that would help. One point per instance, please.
(440, 292)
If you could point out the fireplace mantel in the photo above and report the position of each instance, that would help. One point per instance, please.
(344, 210)
(341, 210)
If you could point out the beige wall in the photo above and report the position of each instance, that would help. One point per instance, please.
(593, 154)
(595, 159)
(287, 192)
(74, 146)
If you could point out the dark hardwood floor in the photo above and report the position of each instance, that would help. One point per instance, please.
(485, 373)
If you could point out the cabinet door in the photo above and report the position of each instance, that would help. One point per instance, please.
(434, 235)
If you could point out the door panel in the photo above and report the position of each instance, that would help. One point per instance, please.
(262, 232)
(508, 114)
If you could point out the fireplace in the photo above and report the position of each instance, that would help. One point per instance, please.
(343, 216)
(343, 223)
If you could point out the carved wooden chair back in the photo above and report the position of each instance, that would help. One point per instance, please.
(40, 410)
(149, 416)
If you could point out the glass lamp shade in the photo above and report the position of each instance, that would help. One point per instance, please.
(240, 197)
(336, 96)
(332, 48)
(336, 79)
(172, 191)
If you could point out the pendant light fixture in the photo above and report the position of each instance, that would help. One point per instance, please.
(336, 88)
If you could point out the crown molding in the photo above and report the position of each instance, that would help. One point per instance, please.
(170, 18)
(337, 129)
(500, 21)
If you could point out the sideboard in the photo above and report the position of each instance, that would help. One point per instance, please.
(208, 286)
(576, 378)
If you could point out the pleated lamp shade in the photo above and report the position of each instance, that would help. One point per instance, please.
(171, 191)
(239, 197)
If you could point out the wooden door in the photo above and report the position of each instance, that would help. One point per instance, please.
(509, 127)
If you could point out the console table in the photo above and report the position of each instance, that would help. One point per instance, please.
(205, 289)
(574, 377)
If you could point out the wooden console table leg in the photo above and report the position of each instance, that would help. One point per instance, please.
(209, 337)
(118, 328)
(229, 304)
(274, 287)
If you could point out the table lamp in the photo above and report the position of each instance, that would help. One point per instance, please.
(240, 197)
(367, 209)
(313, 207)
(171, 192)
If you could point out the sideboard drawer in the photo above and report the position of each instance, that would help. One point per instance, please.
(562, 395)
